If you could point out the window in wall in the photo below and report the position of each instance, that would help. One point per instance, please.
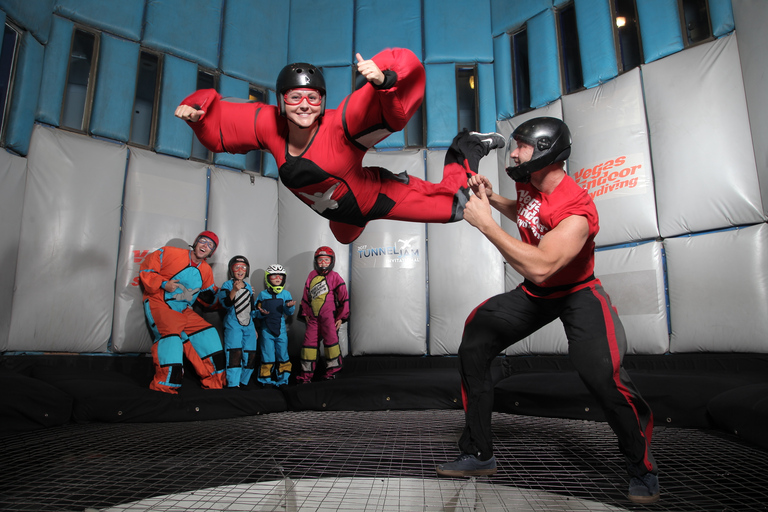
(570, 59)
(205, 80)
(144, 117)
(466, 97)
(79, 89)
(10, 47)
(253, 159)
(694, 15)
(627, 35)
(521, 75)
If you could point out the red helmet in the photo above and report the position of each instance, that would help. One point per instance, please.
(324, 251)
(211, 236)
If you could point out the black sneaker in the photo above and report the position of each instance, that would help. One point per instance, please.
(489, 141)
(644, 490)
(468, 465)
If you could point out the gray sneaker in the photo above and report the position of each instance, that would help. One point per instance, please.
(468, 465)
(644, 490)
(489, 141)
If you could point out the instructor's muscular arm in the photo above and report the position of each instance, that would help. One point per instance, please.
(536, 263)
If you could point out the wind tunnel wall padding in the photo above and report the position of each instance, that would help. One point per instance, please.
(508, 16)
(55, 64)
(151, 221)
(721, 16)
(719, 311)
(543, 61)
(388, 270)
(34, 16)
(377, 17)
(502, 76)
(596, 45)
(26, 90)
(115, 88)
(174, 136)
(190, 30)
(237, 89)
(659, 28)
(450, 37)
(612, 161)
(247, 48)
(320, 32)
(698, 189)
(123, 18)
(456, 289)
(13, 178)
(65, 273)
(442, 118)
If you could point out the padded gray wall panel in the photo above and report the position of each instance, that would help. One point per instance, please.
(717, 291)
(388, 276)
(465, 269)
(242, 211)
(703, 159)
(610, 157)
(69, 244)
(634, 279)
(750, 16)
(165, 204)
(13, 176)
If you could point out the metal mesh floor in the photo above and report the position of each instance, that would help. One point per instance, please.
(382, 460)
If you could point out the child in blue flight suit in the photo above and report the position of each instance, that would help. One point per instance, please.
(273, 304)
(236, 296)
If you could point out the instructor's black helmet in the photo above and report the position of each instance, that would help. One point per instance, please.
(299, 75)
(551, 141)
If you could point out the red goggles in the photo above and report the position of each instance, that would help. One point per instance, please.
(296, 96)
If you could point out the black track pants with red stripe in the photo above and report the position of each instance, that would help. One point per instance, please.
(596, 346)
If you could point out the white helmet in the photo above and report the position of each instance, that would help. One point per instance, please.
(275, 269)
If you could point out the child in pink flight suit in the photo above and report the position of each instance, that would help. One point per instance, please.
(324, 306)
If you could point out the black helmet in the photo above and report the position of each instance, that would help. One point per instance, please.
(238, 259)
(551, 141)
(297, 76)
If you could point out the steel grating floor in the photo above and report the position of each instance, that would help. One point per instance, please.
(384, 460)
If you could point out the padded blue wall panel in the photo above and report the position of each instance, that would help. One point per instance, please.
(270, 166)
(338, 84)
(320, 32)
(123, 18)
(508, 15)
(440, 97)
(188, 29)
(179, 79)
(659, 28)
(33, 16)
(502, 77)
(115, 88)
(721, 14)
(400, 20)
(235, 88)
(487, 98)
(26, 90)
(544, 64)
(254, 40)
(55, 72)
(594, 23)
(456, 32)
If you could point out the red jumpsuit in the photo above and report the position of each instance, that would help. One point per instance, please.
(329, 176)
(177, 329)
